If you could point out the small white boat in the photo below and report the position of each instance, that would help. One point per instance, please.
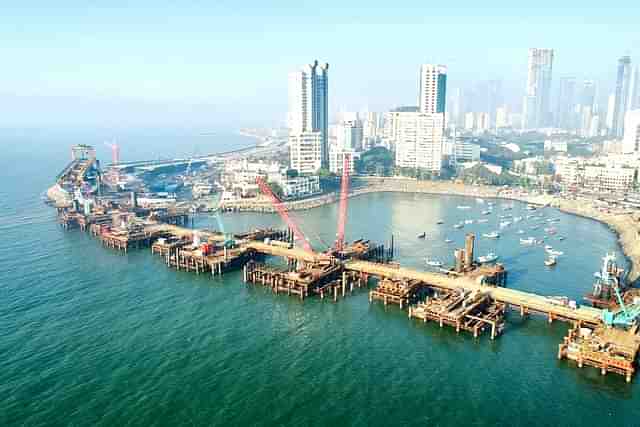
(490, 257)
(505, 224)
(487, 212)
(468, 221)
(551, 261)
(433, 263)
(528, 241)
(482, 221)
(458, 225)
(554, 252)
(492, 235)
(560, 238)
(448, 241)
(520, 232)
(479, 200)
(548, 247)
(517, 219)
(464, 207)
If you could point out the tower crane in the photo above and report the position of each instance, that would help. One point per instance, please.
(344, 197)
(282, 211)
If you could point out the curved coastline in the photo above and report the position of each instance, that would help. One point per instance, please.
(623, 223)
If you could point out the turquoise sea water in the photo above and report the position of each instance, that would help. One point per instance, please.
(93, 337)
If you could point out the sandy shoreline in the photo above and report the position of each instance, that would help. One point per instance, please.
(624, 224)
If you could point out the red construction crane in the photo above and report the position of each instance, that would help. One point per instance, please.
(282, 211)
(115, 153)
(344, 193)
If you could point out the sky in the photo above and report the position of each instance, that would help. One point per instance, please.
(225, 63)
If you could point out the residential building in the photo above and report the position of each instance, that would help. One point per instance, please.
(418, 140)
(482, 122)
(300, 186)
(554, 145)
(308, 107)
(631, 141)
(337, 157)
(606, 178)
(568, 170)
(623, 82)
(538, 93)
(465, 151)
(433, 88)
(470, 121)
(611, 106)
(502, 117)
(349, 135)
(305, 152)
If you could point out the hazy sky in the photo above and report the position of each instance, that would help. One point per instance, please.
(224, 63)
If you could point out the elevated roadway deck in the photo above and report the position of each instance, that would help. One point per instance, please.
(528, 302)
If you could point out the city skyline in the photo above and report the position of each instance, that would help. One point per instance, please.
(199, 66)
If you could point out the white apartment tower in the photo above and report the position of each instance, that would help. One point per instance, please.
(418, 140)
(308, 109)
(433, 88)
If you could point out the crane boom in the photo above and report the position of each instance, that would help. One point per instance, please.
(282, 211)
(342, 214)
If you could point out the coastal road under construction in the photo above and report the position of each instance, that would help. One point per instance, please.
(470, 296)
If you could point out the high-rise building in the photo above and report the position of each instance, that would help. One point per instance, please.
(433, 88)
(587, 107)
(494, 99)
(309, 108)
(482, 122)
(470, 121)
(623, 80)
(565, 113)
(634, 90)
(502, 117)
(457, 108)
(305, 152)
(419, 140)
(631, 141)
(349, 135)
(611, 106)
(537, 98)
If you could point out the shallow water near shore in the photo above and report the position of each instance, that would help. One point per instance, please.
(90, 336)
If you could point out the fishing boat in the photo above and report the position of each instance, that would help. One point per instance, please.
(439, 222)
(487, 212)
(492, 235)
(458, 225)
(482, 221)
(433, 263)
(464, 207)
(551, 261)
(422, 235)
(490, 257)
(528, 241)
(448, 241)
(505, 224)
(554, 252)
(468, 221)
(561, 238)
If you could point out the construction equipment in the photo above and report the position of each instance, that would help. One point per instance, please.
(625, 317)
(344, 196)
(282, 211)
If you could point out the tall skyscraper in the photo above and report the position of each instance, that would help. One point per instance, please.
(537, 98)
(623, 81)
(493, 99)
(634, 90)
(433, 88)
(611, 106)
(565, 112)
(309, 107)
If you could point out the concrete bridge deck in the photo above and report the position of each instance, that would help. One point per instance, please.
(526, 301)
